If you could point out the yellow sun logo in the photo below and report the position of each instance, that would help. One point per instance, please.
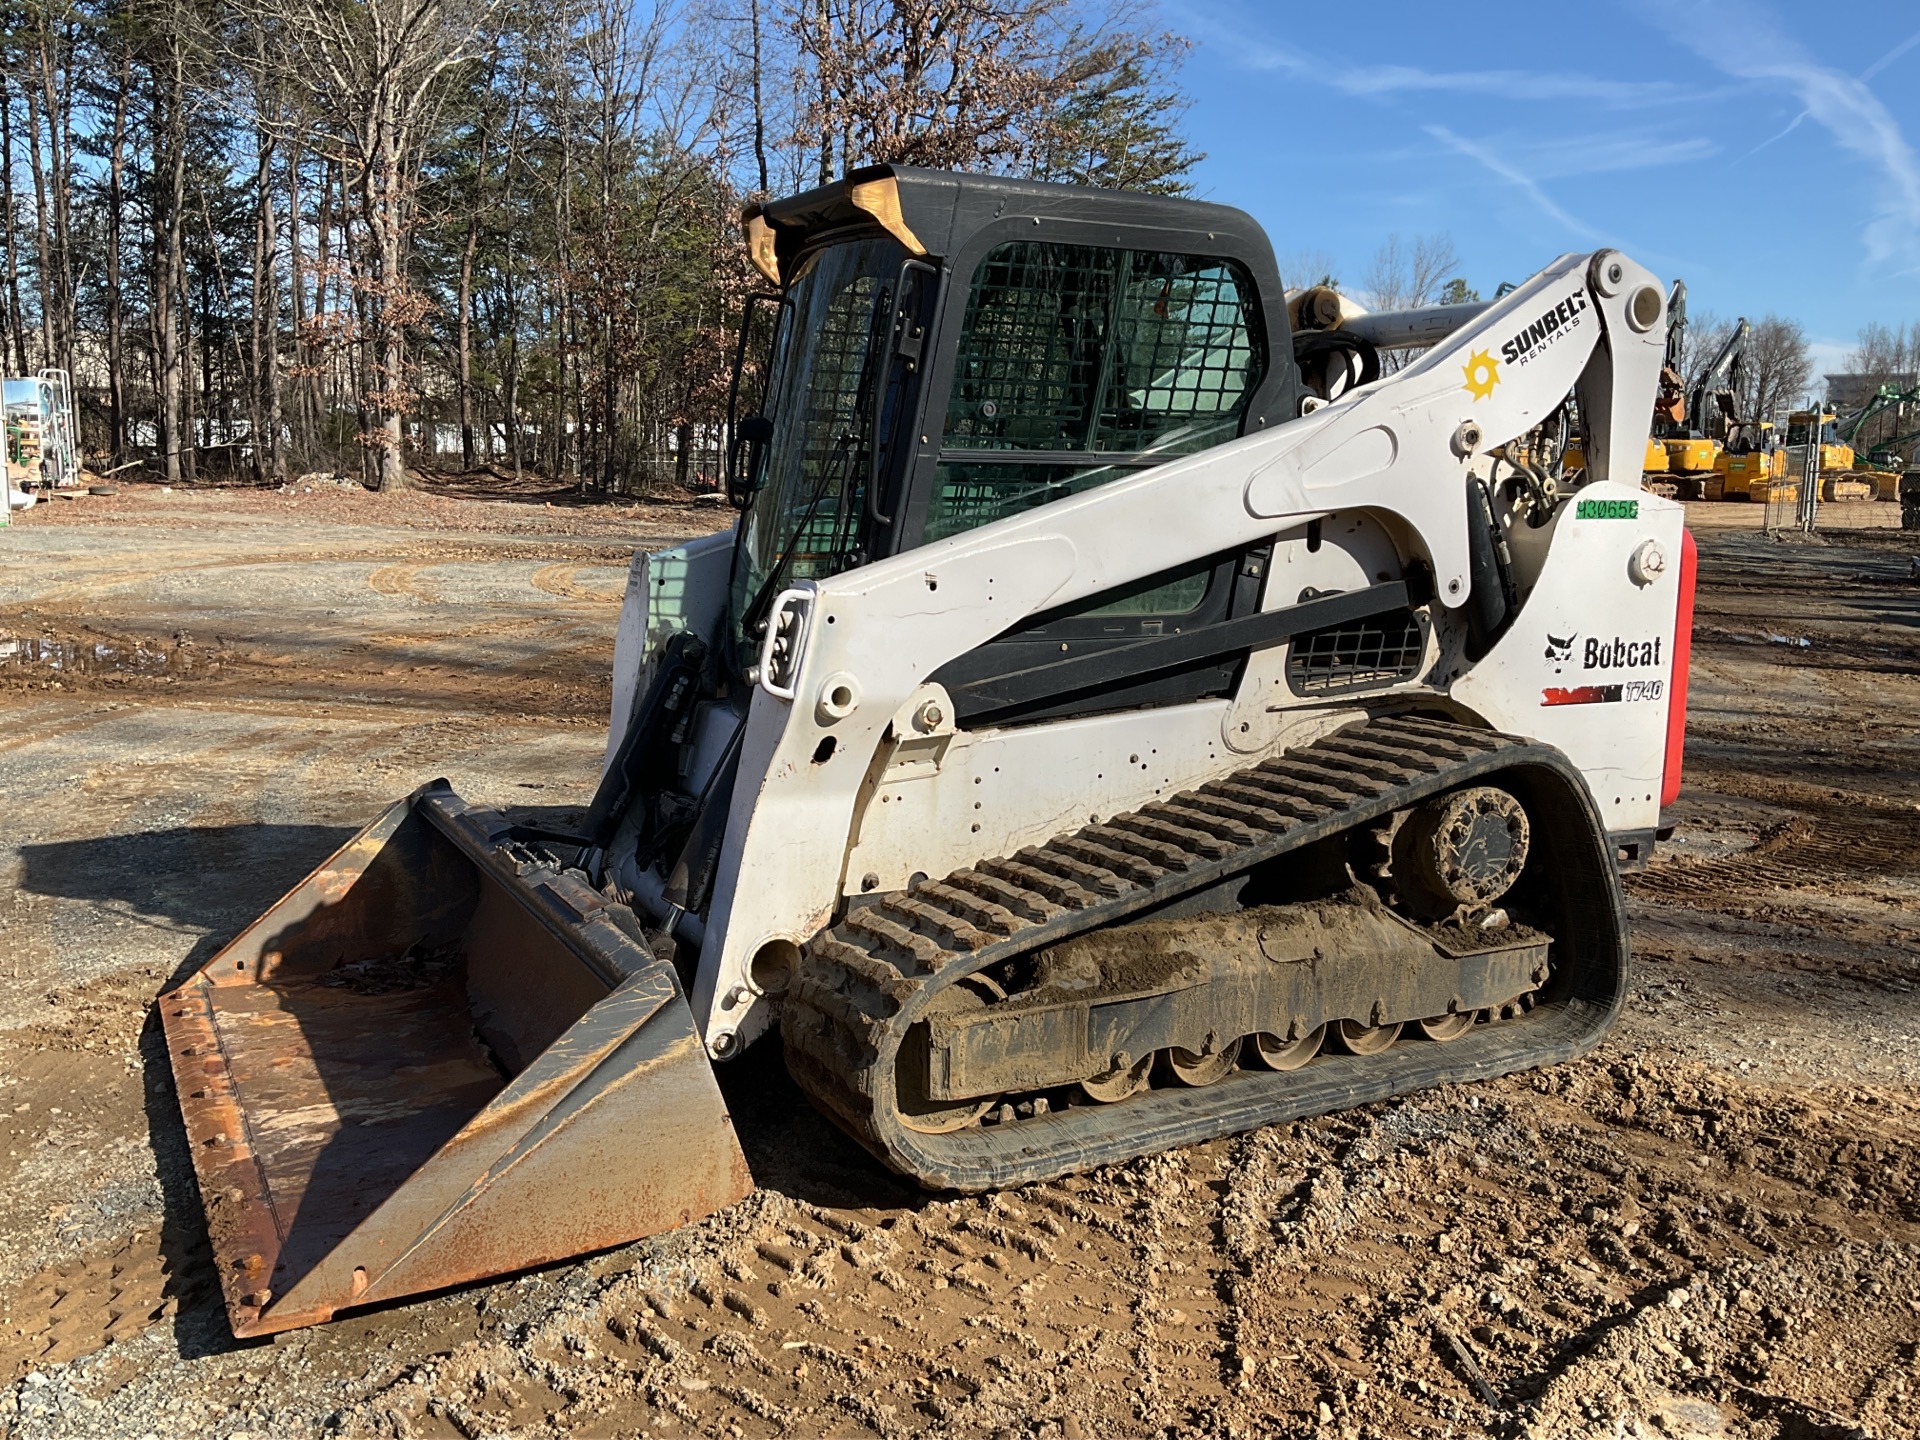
(1483, 373)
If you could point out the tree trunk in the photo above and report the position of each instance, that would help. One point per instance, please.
(208, 411)
(465, 323)
(56, 88)
(16, 317)
(823, 38)
(383, 208)
(257, 363)
(49, 296)
(169, 194)
(566, 372)
(303, 418)
(759, 107)
(269, 463)
(116, 192)
(319, 397)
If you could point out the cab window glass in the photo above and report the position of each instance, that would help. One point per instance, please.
(1079, 364)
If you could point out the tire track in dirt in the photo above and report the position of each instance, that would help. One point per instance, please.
(96, 578)
(563, 581)
(1827, 844)
(395, 581)
(89, 1301)
(1291, 1282)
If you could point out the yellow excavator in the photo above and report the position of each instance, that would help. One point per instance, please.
(1117, 719)
(1710, 426)
(1832, 458)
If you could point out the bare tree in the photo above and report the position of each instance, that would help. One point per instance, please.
(371, 72)
(169, 45)
(264, 303)
(1404, 273)
(1407, 273)
(117, 147)
(1300, 269)
(206, 201)
(1706, 334)
(10, 224)
(1884, 354)
(1777, 370)
(984, 85)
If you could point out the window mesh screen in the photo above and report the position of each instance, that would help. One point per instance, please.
(835, 398)
(1075, 347)
(1070, 351)
(1380, 650)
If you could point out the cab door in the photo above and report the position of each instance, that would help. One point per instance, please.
(1076, 364)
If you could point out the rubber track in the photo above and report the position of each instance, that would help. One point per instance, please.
(867, 979)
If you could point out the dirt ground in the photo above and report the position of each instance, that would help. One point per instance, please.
(1709, 1228)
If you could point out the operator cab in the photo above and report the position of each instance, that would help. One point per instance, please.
(943, 351)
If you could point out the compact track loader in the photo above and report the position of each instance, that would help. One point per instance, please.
(1120, 716)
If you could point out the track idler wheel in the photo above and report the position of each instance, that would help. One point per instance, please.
(1446, 1027)
(1356, 1037)
(1201, 1067)
(1125, 1080)
(1278, 1053)
(942, 1117)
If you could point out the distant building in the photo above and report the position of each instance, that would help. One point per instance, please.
(1847, 393)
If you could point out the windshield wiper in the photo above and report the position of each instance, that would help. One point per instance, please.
(835, 470)
(836, 462)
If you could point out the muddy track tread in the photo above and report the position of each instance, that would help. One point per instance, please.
(1263, 800)
(1116, 871)
(1197, 813)
(1095, 880)
(1010, 899)
(948, 924)
(869, 922)
(981, 913)
(868, 978)
(1154, 825)
(1036, 884)
(1323, 798)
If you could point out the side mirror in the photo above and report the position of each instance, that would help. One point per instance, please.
(746, 456)
(747, 439)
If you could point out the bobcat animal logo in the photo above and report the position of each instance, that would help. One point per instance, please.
(1560, 651)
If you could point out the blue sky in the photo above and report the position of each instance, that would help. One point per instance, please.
(1764, 152)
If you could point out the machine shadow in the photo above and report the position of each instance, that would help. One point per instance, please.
(213, 878)
(793, 1149)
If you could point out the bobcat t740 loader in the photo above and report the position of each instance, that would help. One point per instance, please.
(1121, 715)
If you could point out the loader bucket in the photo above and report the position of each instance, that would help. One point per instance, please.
(436, 1059)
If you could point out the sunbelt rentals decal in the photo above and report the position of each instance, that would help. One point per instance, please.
(1546, 330)
(1482, 370)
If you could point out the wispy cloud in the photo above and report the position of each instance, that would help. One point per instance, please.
(1745, 42)
(1867, 74)
(1380, 81)
(1568, 156)
(1892, 55)
(1517, 178)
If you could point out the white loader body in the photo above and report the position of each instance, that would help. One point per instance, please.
(853, 777)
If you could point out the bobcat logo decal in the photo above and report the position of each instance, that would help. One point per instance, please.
(1560, 651)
